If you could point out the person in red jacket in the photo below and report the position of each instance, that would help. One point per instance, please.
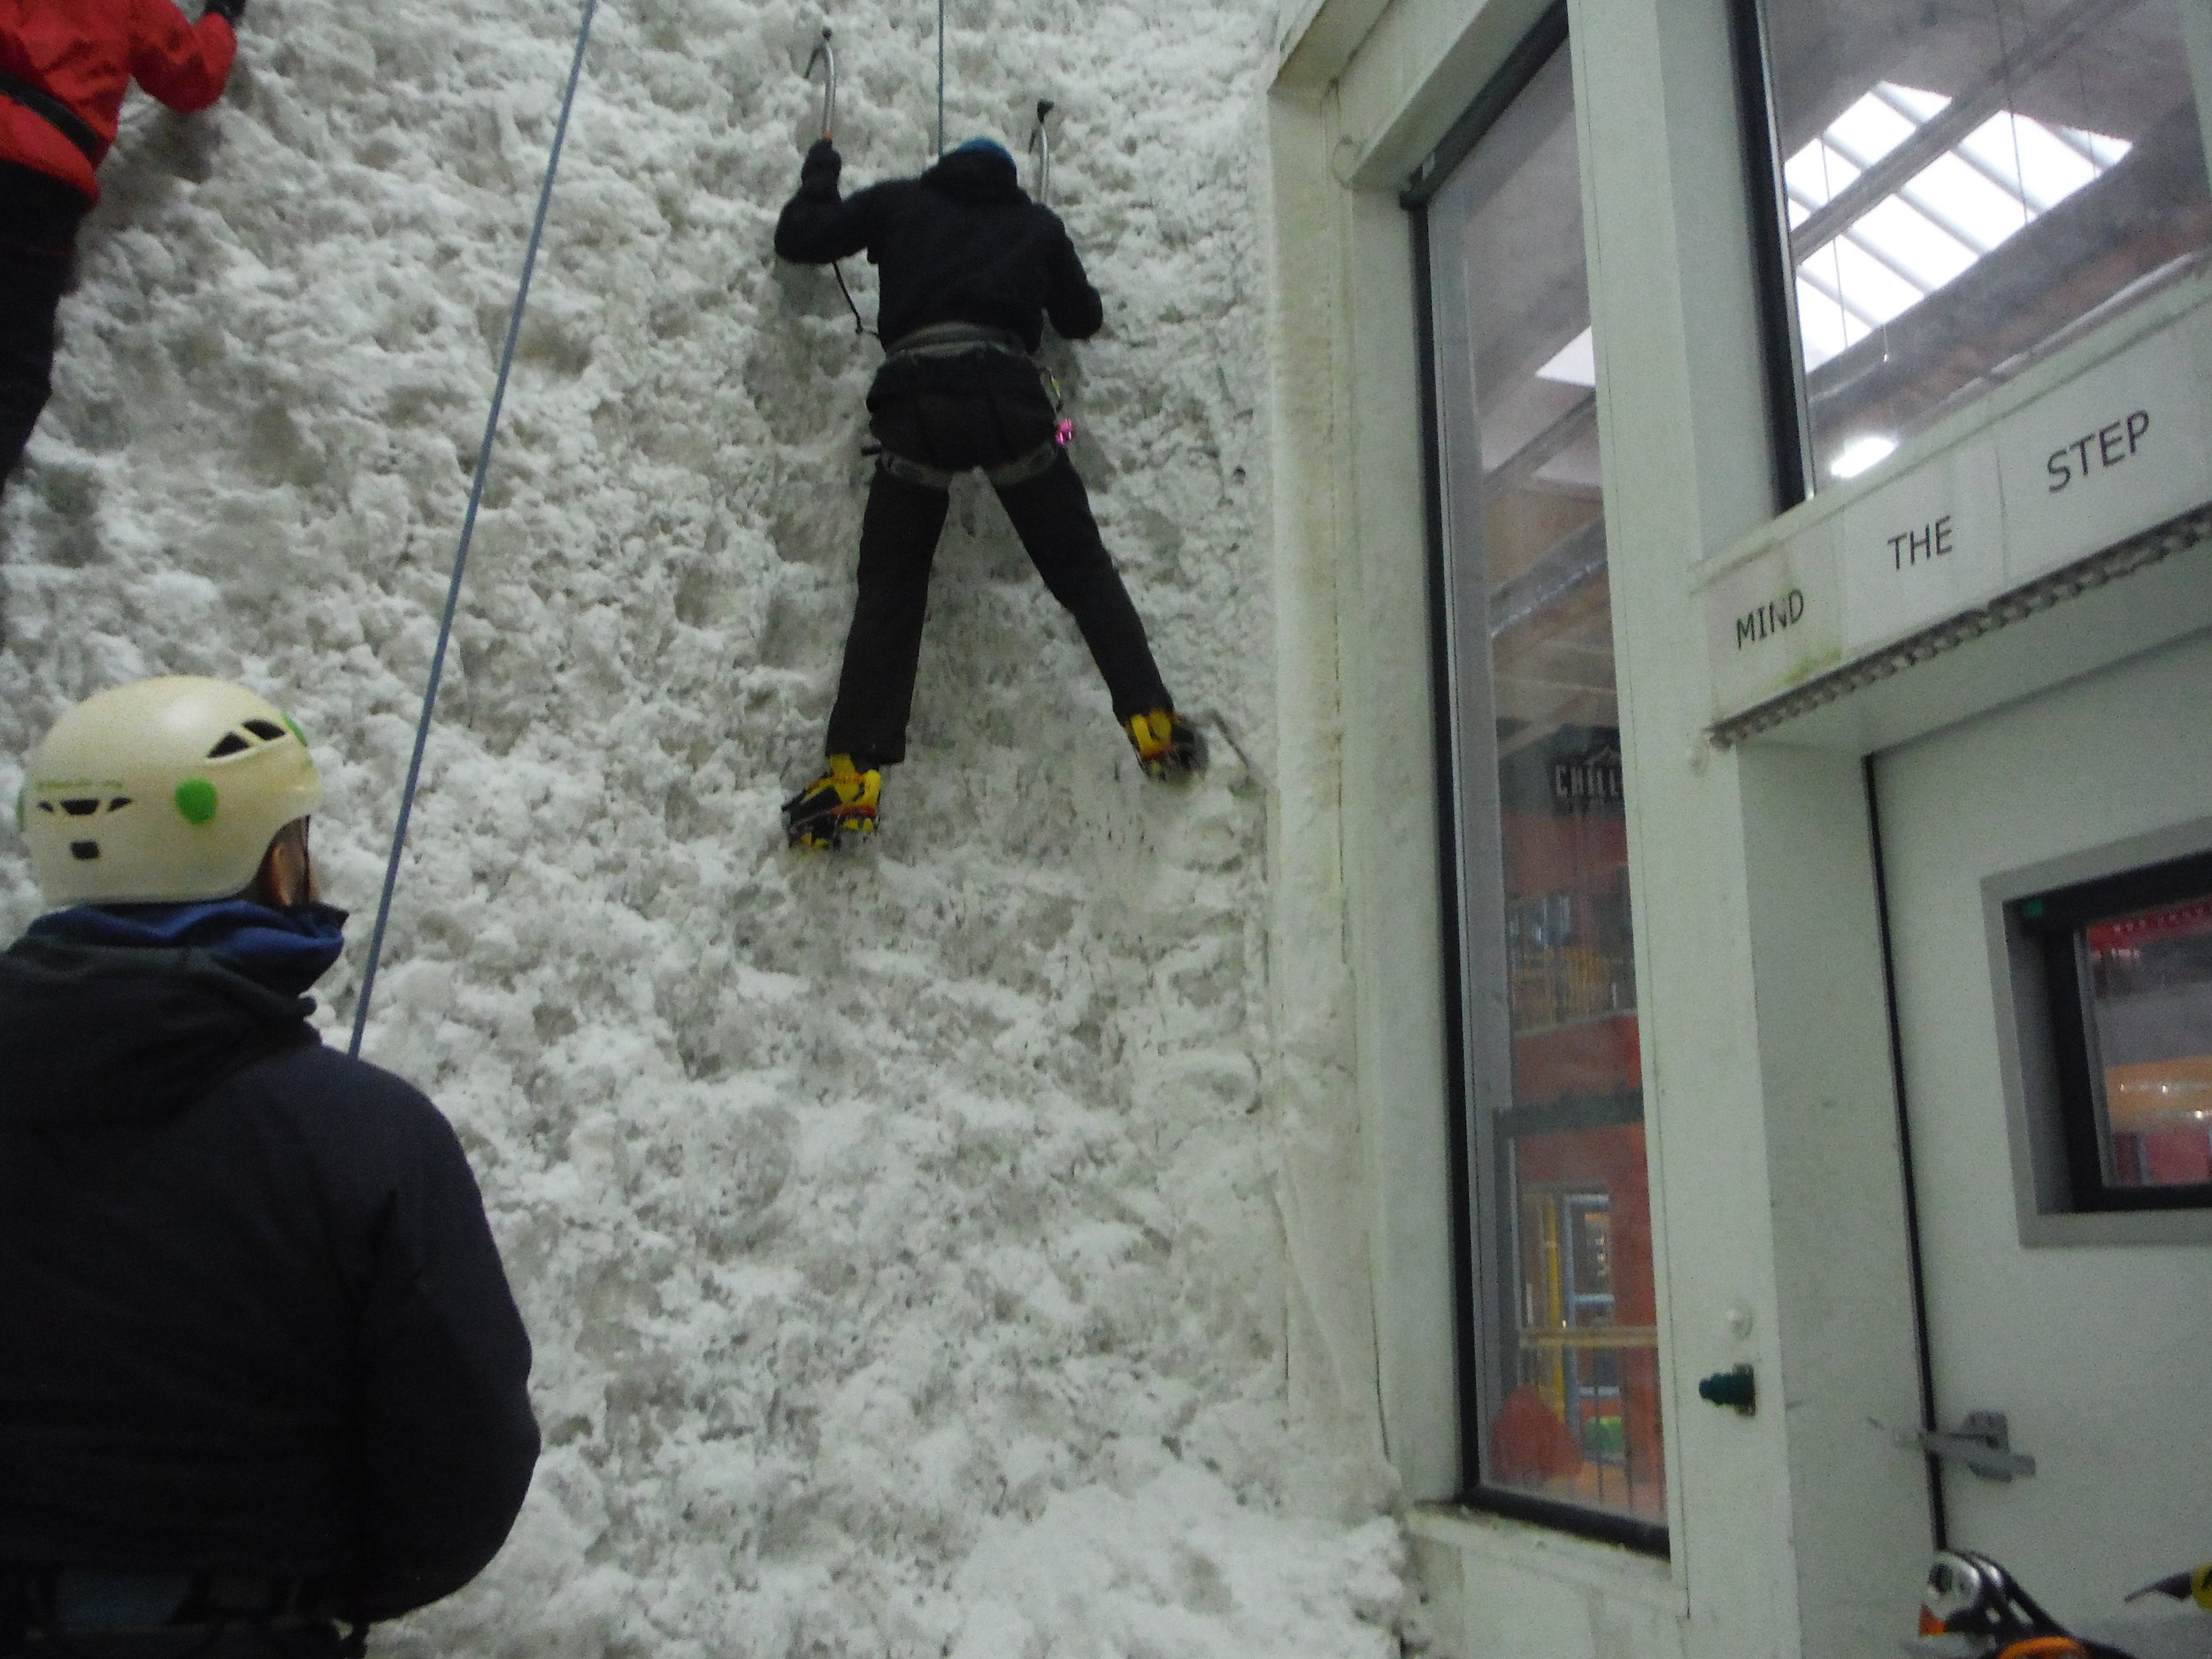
(64, 66)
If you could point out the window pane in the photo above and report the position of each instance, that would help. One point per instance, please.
(1969, 186)
(2149, 991)
(1567, 1384)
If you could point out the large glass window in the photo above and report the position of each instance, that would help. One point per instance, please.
(1565, 1410)
(1968, 184)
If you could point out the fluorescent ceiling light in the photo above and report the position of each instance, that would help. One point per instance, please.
(1576, 363)
(1860, 454)
(1944, 219)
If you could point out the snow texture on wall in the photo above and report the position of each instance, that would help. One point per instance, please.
(898, 1232)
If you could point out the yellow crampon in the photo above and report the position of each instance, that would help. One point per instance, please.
(1168, 746)
(842, 799)
(2193, 1585)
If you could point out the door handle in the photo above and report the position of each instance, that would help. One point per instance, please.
(1982, 1441)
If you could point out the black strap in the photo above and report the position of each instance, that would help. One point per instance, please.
(55, 114)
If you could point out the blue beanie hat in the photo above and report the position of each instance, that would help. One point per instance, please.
(991, 145)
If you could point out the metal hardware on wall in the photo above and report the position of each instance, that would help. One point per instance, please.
(1983, 1442)
(1735, 1388)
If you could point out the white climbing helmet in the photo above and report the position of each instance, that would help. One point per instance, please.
(164, 791)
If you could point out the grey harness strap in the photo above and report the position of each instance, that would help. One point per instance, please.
(955, 340)
(1019, 470)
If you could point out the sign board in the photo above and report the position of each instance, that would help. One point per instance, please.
(2112, 452)
(1776, 619)
(1921, 547)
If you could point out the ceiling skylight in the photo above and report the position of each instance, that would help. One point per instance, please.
(1862, 453)
(1949, 213)
(1576, 363)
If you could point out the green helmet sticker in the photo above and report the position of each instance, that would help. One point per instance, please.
(196, 799)
(293, 727)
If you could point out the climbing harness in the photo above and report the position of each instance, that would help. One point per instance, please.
(1036, 463)
(946, 341)
(957, 339)
(468, 530)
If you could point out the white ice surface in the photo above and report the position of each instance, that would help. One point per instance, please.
(901, 1234)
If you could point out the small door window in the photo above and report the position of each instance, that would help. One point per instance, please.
(2126, 965)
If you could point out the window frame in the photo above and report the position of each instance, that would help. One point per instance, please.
(1529, 57)
(1781, 362)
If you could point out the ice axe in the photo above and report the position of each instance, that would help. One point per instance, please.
(824, 56)
(1040, 141)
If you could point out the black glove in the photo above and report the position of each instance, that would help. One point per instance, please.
(229, 11)
(821, 166)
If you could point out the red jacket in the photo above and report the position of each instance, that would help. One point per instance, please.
(85, 53)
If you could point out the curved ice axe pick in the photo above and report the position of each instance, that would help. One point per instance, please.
(827, 58)
(1040, 141)
(825, 54)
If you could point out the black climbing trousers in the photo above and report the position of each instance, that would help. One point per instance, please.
(1052, 514)
(31, 284)
(38, 228)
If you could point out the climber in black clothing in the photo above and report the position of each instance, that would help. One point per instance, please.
(262, 1374)
(971, 268)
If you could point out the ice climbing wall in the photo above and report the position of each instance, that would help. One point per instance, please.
(897, 1232)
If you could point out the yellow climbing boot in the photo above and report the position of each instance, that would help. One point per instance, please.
(842, 799)
(1168, 746)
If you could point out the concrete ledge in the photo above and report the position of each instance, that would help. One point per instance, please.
(1493, 1544)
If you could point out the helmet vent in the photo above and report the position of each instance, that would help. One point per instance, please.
(267, 731)
(81, 807)
(231, 744)
(84, 852)
(119, 803)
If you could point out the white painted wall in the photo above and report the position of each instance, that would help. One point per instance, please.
(1771, 1112)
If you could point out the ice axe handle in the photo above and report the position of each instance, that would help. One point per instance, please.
(824, 56)
(1040, 141)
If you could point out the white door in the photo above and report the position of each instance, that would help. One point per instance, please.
(2100, 1356)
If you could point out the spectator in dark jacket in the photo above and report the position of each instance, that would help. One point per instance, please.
(970, 270)
(64, 66)
(262, 1373)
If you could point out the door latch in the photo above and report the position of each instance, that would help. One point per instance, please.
(1983, 1442)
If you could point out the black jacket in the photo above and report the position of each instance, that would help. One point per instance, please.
(960, 244)
(251, 1318)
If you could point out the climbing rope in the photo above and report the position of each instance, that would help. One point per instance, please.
(859, 327)
(468, 532)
